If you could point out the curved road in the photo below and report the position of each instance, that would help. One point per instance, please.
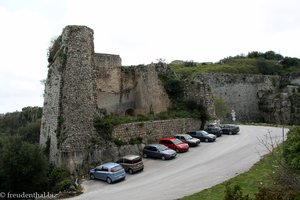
(200, 168)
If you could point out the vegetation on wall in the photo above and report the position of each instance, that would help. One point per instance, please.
(55, 45)
(222, 108)
(175, 90)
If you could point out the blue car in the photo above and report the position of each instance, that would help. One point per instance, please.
(109, 172)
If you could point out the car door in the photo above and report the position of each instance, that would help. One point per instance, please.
(103, 173)
(155, 152)
(200, 136)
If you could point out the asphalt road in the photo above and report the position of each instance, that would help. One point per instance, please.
(201, 167)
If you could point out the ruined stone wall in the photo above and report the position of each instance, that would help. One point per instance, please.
(70, 98)
(241, 91)
(152, 131)
(51, 109)
(200, 93)
(135, 87)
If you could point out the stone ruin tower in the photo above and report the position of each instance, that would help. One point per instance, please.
(79, 84)
(70, 98)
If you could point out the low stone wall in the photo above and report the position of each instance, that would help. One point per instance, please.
(151, 132)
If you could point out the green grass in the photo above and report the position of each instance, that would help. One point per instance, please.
(258, 176)
(237, 66)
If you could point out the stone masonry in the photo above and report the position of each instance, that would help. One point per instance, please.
(241, 91)
(81, 85)
(152, 131)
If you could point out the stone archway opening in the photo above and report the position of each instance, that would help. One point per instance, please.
(130, 112)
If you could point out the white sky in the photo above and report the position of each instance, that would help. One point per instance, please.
(140, 31)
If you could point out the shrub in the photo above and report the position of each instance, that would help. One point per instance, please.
(292, 148)
(234, 193)
(23, 166)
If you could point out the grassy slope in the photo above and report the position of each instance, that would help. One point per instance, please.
(237, 66)
(259, 175)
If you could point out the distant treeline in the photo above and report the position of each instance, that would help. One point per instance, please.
(25, 123)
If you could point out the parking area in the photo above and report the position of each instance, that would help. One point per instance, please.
(199, 168)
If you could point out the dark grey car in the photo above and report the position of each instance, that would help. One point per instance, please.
(217, 131)
(192, 142)
(230, 129)
(203, 136)
(131, 163)
(158, 151)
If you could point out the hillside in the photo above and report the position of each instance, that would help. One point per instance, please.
(268, 63)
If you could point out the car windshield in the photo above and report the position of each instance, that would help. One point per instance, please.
(116, 168)
(188, 137)
(162, 147)
(204, 133)
(176, 141)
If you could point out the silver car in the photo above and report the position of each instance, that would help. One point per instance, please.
(109, 172)
(131, 163)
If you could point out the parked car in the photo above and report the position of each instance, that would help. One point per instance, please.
(203, 136)
(175, 144)
(131, 163)
(230, 129)
(192, 142)
(158, 151)
(217, 131)
(109, 172)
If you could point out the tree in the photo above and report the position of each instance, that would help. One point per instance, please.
(23, 166)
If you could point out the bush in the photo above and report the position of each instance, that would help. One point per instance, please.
(292, 148)
(234, 193)
(23, 166)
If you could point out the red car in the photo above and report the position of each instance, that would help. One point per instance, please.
(174, 143)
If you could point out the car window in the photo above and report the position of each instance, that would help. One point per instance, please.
(120, 161)
(163, 141)
(188, 137)
(152, 148)
(104, 169)
(127, 161)
(138, 159)
(162, 147)
(116, 168)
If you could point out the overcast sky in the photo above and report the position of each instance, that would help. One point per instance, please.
(140, 32)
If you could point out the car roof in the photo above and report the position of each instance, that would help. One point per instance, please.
(169, 138)
(130, 157)
(183, 135)
(109, 165)
(155, 145)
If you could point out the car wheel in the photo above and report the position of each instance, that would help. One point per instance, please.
(130, 171)
(163, 158)
(177, 150)
(145, 155)
(206, 140)
(92, 176)
(108, 180)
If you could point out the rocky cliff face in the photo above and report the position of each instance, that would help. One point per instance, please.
(242, 92)
(257, 98)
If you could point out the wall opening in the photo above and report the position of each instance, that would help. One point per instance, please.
(129, 112)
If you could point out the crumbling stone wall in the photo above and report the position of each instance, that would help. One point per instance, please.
(152, 131)
(200, 93)
(136, 87)
(241, 91)
(70, 99)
